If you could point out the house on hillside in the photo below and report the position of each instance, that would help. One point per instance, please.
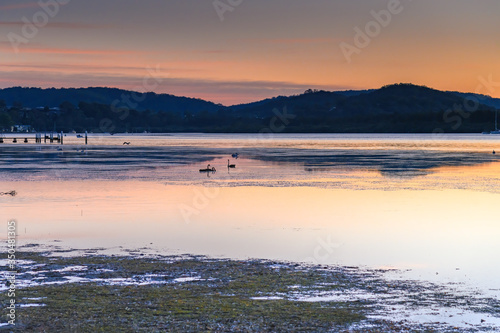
(20, 128)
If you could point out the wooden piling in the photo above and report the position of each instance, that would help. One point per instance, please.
(57, 137)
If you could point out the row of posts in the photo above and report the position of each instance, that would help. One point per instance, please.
(38, 138)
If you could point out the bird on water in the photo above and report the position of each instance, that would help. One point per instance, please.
(208, 169)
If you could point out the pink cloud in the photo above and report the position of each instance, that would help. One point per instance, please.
(300, 40)
(89, 68)
(79, 51)
(58, 25)
(68, 51)
(19, 6)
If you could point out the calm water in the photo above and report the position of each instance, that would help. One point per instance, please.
(427, 204)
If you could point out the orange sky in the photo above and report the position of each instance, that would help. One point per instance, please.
(260, 49)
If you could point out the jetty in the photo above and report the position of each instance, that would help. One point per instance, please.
(38, 138)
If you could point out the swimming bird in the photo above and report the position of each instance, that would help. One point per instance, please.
(126, 143)
(12, 193)
(230, 165)
(235, 155)
(208, 169)
(494, 152)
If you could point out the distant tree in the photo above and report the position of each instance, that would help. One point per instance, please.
(311, 91)
(17, 105)
(5, 120)
(67, 107)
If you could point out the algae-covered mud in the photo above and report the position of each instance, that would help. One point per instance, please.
(97, 293)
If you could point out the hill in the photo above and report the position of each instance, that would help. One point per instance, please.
(483, 99)
(398, 108)
(52, 97)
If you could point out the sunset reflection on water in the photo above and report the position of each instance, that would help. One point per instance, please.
(442, 220)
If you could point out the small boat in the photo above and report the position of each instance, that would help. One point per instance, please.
(208, 169)
(79, 136)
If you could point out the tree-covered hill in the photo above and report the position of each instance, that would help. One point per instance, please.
(399, 108)
(52, 97)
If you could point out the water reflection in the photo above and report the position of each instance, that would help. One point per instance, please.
(427, 231)
(398, 163)
(429, 207)
(109, 162)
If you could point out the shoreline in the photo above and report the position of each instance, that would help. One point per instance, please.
(198, 293)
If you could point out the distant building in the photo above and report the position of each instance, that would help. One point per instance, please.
(21, 128)
(53, 110)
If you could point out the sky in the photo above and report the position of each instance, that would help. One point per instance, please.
(237, 51)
